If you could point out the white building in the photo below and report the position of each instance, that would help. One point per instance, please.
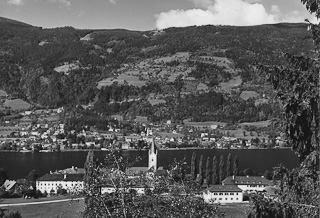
(52, 182)
(140, 189)
(223, 194)
(248, 183)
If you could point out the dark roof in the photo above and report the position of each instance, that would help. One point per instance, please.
(223, 188)
(247, 180)
(61, 177)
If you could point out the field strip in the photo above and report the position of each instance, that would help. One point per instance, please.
(40, 202)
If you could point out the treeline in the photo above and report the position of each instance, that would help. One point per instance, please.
(210, 74)
(210, 172)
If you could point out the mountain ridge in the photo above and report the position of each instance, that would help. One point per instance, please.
(148, 73)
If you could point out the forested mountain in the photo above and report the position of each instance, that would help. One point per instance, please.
(202, 73)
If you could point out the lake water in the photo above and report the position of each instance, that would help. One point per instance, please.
(18, 165)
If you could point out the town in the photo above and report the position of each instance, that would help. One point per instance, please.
(43, 131)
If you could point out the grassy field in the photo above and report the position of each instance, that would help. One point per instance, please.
(17, 104)
(132, 80)
(235, 210)
(2, 93)
(227, 86)
(207, 123)
(257, 124)
(70, 209)
(245, 95)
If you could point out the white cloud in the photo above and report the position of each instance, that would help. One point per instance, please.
(225, 12)
(275, 9)
(65, 3)
(15, 2)
(113, 1)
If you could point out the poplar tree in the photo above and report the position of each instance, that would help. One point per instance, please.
(229, 167)
(193, 166)
(208, 171)
(221, 169)
(235, 166)
(215, 177)
(200, 176)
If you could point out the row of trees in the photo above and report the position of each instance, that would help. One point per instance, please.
(169, 198)
(213, 173)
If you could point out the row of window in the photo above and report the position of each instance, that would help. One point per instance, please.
(256, 186)
(220, 199)
(56, 184)
(222, 193)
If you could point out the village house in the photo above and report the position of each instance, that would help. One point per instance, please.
(223, 194)
(51, 183)
(248, 183)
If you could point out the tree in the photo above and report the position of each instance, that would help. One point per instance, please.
(31, 178)
(229, 166)
(235, 166)
(221, 169)
(200, 175)
(193, 165)
(3, 176)
(169, 198)
(297, 87)
(208, 172)
(215, 177)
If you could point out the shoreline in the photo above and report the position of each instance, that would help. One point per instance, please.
(163, 149)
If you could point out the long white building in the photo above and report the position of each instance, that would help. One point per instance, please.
(248, 183)
(50, 183)
(223, 194)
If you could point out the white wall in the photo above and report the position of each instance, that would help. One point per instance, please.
(222, 197)
(70, 186)
(252, 188)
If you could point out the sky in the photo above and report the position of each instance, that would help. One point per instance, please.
(152, 14)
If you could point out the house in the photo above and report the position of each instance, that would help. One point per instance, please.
(9, 185)
(140, 189)
(248, 183)
(50, 183)
(223, 194)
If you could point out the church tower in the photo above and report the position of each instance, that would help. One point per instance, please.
(153, 156)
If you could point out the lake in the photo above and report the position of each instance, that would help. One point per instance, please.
(18, 165)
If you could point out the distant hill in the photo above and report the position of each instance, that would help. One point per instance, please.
(177, 73)
(13, 22)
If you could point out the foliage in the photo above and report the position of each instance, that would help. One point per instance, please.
(169, 198)
(221, 169)
(297, 86)
(215, 177)
(235, 166)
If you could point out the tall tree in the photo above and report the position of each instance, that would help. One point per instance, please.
(235, 166)
(200, 175)
(229, 166)
(221, 169)
(3, 176)
(89, 168)
(215, 177)
(193, 166)
(208, 172)
(297, 87)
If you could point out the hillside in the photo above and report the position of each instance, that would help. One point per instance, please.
(203, 73)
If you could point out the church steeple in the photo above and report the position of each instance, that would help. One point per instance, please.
(153, 156)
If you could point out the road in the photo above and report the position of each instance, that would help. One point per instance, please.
(40, 202)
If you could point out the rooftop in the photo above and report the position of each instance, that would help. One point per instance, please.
(62, 177)
(248, 180)
(223, 188)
